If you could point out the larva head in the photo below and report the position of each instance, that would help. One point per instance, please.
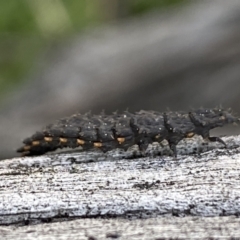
(216, 117)
(220, 116)
(227, 116)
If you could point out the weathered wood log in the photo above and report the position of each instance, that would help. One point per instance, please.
(150, 228)
(94, 184)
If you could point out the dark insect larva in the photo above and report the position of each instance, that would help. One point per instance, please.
(107, 132)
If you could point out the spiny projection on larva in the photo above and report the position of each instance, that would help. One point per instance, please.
(108, 132)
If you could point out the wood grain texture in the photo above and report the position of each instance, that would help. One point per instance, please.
(107, 196)
(151, 228)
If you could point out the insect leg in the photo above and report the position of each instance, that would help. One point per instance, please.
(174, 136)
(217, 139)
(203, 129)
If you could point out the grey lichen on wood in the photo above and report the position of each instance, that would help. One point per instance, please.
(94, 184)
(150, 228)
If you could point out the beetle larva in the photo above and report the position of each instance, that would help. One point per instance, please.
(107, 132)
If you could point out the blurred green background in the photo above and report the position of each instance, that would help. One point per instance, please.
(29, 27)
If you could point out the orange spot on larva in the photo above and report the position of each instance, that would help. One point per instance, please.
(80, 141)
(26, 148)
(48, 139)
(157, 136)
(63, 140)
(121, 140)
(190, 135)
(97, 144)
(35, 143)
(222, 118)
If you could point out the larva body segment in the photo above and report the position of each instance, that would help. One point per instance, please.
(107, 132)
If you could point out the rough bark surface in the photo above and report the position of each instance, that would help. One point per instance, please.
(151, 228)
(65, 186)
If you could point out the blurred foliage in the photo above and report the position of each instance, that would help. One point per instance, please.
(27, 27)
(141, 6)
